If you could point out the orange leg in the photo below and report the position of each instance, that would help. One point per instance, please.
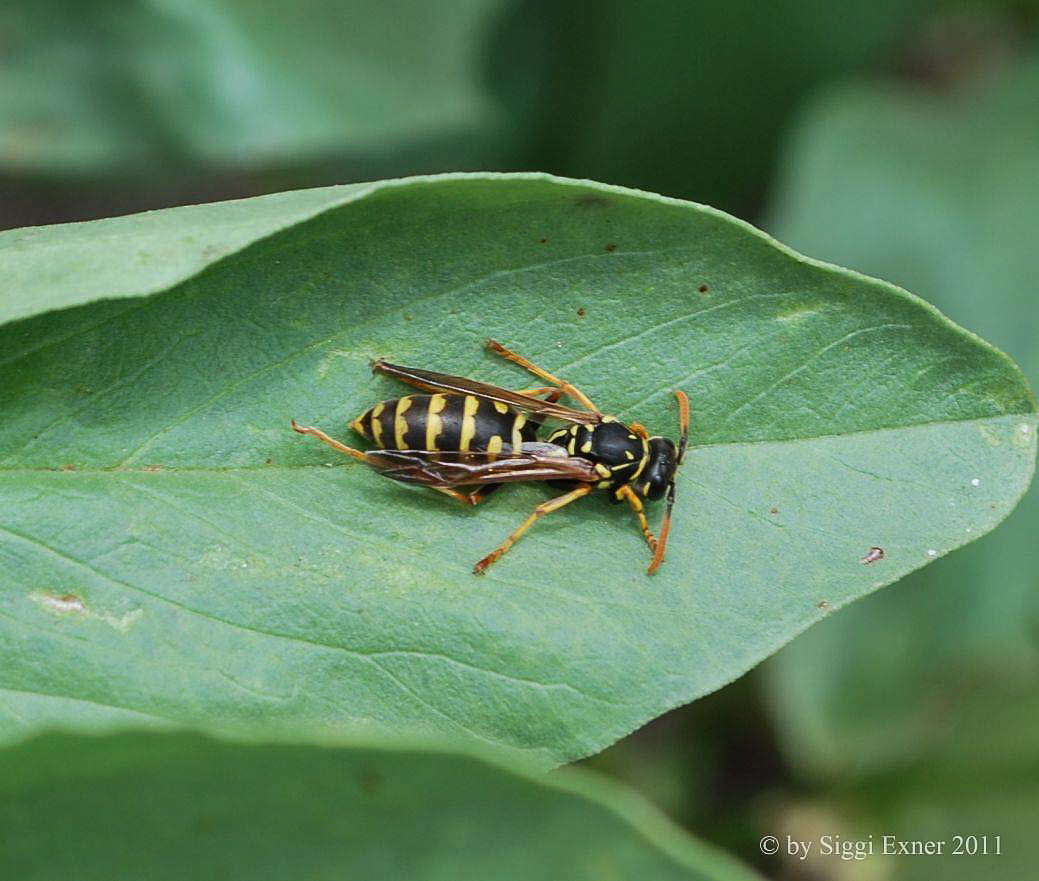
(629, 495)
(334, 444)
(539, 512)
(540, 390)
(566, 388)
(473, 498)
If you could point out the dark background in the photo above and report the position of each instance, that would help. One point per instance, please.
(898, 137)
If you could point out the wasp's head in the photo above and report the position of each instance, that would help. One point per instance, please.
(660, 470)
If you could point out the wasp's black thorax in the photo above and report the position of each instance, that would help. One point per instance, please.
(611, 444)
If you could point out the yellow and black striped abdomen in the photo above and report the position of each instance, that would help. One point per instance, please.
(444, 422)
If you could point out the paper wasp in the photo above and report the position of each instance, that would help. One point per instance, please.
(469, 434)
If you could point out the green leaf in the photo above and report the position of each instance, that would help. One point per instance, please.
(140, 805)
(875, 179)
(53, 267)
(92, 87)
(174, 551)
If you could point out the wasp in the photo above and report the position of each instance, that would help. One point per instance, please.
(468, 434)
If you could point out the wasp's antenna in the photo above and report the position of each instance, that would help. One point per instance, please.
(665, 529)
(683, 423)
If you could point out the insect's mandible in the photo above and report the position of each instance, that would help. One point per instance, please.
(465, 433)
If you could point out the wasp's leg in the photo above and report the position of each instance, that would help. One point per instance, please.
(539, 512)
(627, 493)
(551, 391)
(470, 498)
(567, 389)
(334, 444)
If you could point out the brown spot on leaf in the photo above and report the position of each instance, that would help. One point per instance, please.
(66, 602)
(822, 604)
(370, 781)
(580, 312)
(872, 555)
(68, 467)
(773, 510)
(153, 468)
(611, 247)
(542, 241)
(71, 604)
(703, 289)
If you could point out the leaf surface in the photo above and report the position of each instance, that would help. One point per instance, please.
(173, 551)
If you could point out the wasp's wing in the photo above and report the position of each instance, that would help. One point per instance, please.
(442, 382)
(533, 461)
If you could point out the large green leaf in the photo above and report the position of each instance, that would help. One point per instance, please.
(92, 86)
(173, 806)
(174, 551)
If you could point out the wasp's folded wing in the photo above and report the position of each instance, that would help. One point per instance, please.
(442, 382)
(533, 461)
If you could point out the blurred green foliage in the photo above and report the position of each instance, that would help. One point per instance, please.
(107, 88)
(687, 98)
(174, 806)
(107, 108)
(190, 100)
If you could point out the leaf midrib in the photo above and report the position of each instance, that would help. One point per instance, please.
(116, 469)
